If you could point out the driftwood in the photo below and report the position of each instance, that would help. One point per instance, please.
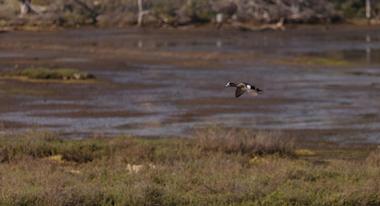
(247, 27)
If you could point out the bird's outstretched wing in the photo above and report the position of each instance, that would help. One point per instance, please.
(239, 91)
(253, 92)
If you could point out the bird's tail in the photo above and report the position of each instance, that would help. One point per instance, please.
(259, 91)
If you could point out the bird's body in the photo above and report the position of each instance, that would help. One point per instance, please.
(243, 87)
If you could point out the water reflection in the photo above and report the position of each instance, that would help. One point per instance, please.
(368, 48)
(219, 43)
(140, 44)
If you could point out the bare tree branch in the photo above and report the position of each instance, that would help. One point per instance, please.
(141, 14)
(368, 10)
(26, 8)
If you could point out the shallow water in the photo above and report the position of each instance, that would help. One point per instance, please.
(167, 82)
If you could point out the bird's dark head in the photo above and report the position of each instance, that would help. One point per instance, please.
(230, 84)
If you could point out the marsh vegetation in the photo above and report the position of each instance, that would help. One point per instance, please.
(215, 166)
(44, 73)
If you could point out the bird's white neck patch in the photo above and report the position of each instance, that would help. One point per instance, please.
(248, 86)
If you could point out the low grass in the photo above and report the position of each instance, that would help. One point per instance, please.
(235, 141)
(317, 61)
(25, 90)
(42, 73)
(214, 167)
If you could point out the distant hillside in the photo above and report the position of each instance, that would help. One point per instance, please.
(179, 12)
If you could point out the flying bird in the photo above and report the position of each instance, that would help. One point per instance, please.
(243, 87)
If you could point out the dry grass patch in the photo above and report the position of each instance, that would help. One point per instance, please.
(235, 141)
